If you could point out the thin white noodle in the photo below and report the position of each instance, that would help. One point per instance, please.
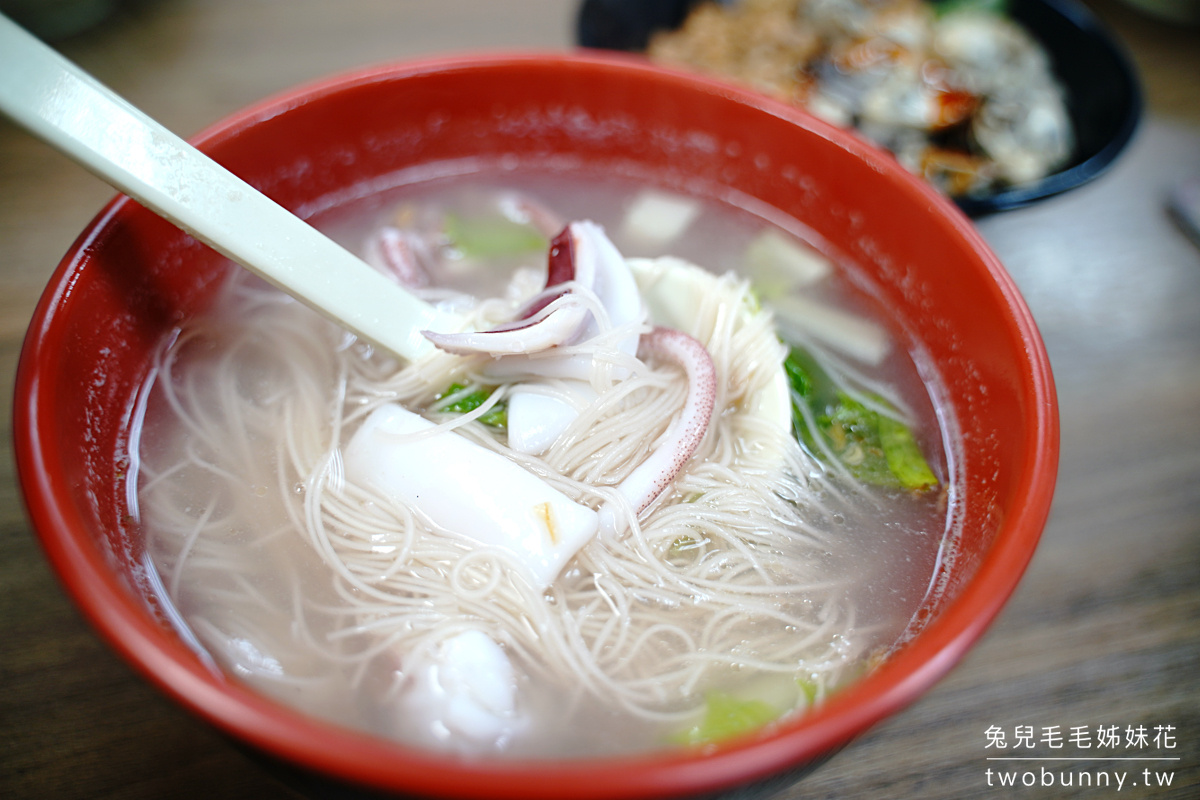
(721, 574)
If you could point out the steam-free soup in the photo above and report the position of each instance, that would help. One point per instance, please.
(635, 503)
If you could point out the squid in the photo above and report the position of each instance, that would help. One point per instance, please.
(581, 257)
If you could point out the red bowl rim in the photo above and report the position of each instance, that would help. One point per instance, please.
(359, 759)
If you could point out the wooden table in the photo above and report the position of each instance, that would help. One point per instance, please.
(1104, 630)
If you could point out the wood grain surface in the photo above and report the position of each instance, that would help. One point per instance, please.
(1103, 631)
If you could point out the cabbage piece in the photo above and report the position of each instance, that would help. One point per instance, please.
(492, 237)
(657, 219)
(903, 454)
(726, 716)
(778, 264)
(496, 416)
(874, 447)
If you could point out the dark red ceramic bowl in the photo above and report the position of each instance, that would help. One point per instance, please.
(131, 277)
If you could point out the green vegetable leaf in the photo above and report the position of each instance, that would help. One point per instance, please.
(496, 416)
(852, 430)
(875, 448)
(726, 716)
(904, 456)
(800, 375)
(492, 237)
(812, 387)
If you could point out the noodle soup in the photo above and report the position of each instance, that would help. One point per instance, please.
(790, 551)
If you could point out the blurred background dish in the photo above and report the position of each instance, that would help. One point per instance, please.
(1100, 86)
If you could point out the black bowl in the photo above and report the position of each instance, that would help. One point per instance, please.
(1104, 97)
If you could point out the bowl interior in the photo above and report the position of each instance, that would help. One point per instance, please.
(132, 277)
(1102, 89)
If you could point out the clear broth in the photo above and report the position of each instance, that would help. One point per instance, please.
(249, 621)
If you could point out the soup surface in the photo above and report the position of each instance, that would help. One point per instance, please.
(737, 519)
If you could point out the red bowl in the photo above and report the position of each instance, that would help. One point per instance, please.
(131, 277)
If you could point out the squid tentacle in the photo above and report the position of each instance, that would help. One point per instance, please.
(652, 477)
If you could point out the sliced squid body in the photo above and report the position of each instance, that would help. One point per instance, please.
(468, 489)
